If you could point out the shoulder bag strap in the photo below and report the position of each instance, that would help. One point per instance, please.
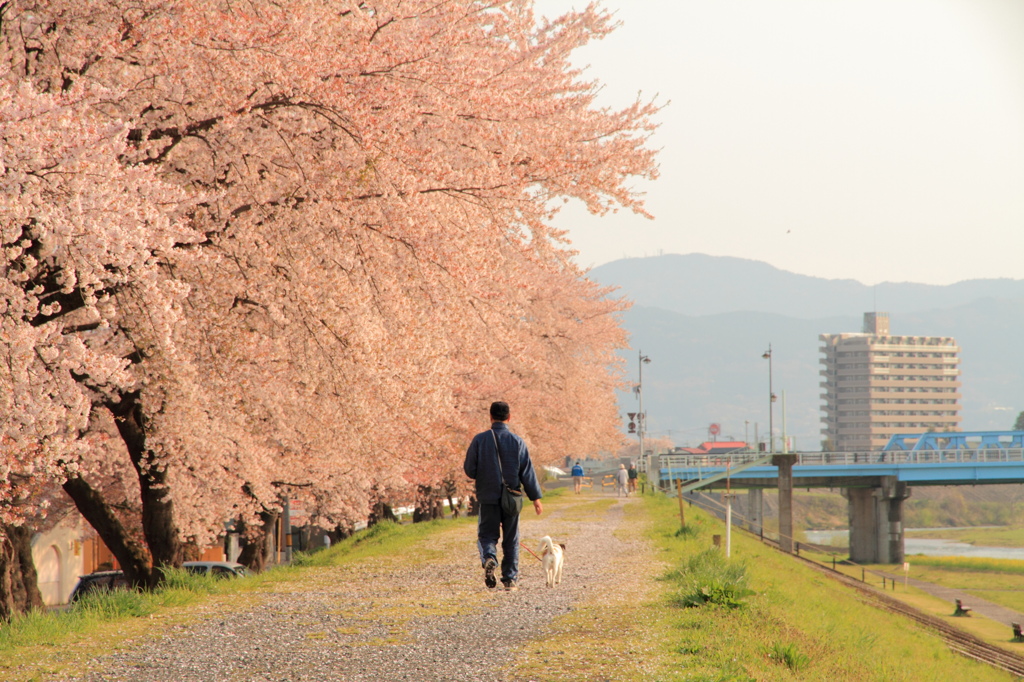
(497, 450)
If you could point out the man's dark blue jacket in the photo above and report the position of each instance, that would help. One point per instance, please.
(482, 465)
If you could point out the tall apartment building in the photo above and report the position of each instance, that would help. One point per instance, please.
(876, 384)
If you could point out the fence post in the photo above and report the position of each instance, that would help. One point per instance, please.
(682, 512)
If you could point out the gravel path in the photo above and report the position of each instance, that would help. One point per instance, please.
(423, 616)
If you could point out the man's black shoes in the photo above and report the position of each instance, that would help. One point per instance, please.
(489, 567)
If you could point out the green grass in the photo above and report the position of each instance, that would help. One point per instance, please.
(795, 625)
(969, 564)
(995, 580)
(45, 644)
(788, 655)
(42, 644)
(1002, 536)
(708, 578)
(815, 627)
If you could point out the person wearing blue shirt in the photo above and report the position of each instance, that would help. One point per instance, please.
(577, 478)
(515, 471)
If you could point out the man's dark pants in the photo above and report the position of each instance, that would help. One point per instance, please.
(493, 521)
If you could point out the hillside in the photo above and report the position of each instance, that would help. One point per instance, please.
(697, 284)
(705, 322)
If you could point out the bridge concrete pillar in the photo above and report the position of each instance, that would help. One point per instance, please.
(893, 494)
(862, 511)
(755, 510)
(876, 522)
(785, 464)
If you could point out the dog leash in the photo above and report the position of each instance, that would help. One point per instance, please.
(521, 544)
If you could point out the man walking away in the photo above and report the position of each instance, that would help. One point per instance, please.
(516, 471)
(621, 479)
(632, 477)
(577, 478)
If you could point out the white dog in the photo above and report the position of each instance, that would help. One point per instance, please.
(552, 555)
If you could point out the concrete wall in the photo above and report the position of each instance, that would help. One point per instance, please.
(57, 554)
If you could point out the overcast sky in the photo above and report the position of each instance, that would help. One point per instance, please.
(876, 140)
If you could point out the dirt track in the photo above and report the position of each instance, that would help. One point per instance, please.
(422, 616)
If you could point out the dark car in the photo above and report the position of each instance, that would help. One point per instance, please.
(115, 580)
(101, 581)
(221, 569)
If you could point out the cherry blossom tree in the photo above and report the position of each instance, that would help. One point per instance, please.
(82, 235)
(372, 186)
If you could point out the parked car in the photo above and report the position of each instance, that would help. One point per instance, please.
(115, 580)
(100, 581)
(221, 569)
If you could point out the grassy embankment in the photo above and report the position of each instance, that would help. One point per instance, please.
(793, 624)
(1000, 581)
(999, 536)
(996, 580)
(762, 617)
(43, 645)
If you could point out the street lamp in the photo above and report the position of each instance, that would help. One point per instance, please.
(771, 401)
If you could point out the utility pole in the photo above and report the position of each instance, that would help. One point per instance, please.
(771, 401)
(642, 417)
(728, 511)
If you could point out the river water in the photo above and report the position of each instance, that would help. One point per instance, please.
(926, 546)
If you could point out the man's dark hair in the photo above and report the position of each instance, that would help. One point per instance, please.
(500, 411)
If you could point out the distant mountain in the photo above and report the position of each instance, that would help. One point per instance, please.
(696, 284)
(707, 368)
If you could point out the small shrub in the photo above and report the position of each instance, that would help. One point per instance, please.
(687, 532)
(181, 579)
(787, 654)
(114, 604)
(709, 578)
(303, 559)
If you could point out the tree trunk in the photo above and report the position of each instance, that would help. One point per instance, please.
(19, 588)
(9, 606)
(132, 557)
(158, 524)
(428, 505)
(423, 508)
(340, 533)
(22, 536)
(381, 512)
(450, 490)
(259, 544)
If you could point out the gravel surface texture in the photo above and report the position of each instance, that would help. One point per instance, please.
(423, 616)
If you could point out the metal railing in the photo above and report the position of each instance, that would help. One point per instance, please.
(960, 456)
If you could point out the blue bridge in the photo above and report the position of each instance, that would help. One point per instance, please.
(874, 483)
